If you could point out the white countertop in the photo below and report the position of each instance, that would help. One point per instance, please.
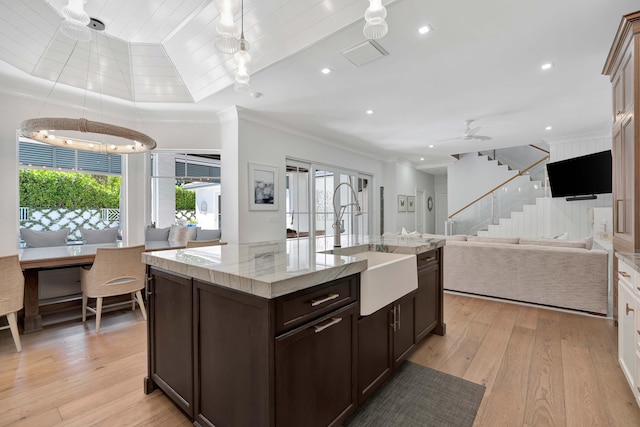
(271, 269)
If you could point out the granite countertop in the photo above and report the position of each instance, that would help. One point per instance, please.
(633, 259)
(272, 269)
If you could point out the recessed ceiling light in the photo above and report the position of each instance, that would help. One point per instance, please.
(430, 145)
(421, 158)
(547, 66)
(424, 30)
(369, 112)
(326, 70)
(548, 128)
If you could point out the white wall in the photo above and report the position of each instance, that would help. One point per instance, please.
(440, 203)
(401, 178)
(472, 176)
(260, 143)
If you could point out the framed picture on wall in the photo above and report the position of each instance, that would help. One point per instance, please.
(411, 203)
(263, 188)
(402, 203)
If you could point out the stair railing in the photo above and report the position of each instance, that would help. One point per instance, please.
(451, 222)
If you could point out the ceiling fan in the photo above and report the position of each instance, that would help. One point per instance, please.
(469, 134)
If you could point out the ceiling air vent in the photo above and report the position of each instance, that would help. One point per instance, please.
(364, 52)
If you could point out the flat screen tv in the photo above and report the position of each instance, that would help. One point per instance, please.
(581, 178)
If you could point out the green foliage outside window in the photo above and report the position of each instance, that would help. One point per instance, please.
(185, 199)
(69, 190)
(74, 190)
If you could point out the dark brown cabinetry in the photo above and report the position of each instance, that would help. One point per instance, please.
(403, 327)
(170, 338)
(315, 371)
(387, 337)
(429, 304)
(623, 66)
(228, 358)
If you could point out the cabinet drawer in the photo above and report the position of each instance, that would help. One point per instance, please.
(627, 273)
(636, 389)
(428, 258)
(303, 306)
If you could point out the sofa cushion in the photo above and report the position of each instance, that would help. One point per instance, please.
(182, 233)
(510, 240)
(44, 239)
(202, 234)
(109, 235)
(152, 234)
(580, 244)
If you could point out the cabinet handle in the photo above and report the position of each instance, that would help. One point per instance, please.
(628, 308)
(618, 212)
(329, 297)
(624, 274)
(330, 323)
(619, 113)
(399, 317)
(393, 324)
(638, 332)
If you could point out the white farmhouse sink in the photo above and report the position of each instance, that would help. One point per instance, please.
(388, 277)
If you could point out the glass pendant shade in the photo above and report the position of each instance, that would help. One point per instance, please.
(227, 38)
(74, 11)
(376, 26)
(75, 31)
(243, 59)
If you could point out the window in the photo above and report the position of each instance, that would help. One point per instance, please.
(61, 187)
(301, 208)
(185, 189)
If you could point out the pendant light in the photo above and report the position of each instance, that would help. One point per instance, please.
(243, 59)
(75, 21)
(376, 26)
(227, 38)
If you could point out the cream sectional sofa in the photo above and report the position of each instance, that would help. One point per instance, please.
(558, 273)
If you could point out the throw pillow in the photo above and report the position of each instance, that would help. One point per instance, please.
(510, 240)
(44, 239)
(202, 234)
(110, 235)
(181, 233)
(156, 234)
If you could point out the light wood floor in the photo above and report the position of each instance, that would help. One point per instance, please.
(540, 367)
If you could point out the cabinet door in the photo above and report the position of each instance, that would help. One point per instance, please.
(171, 337)
(315, 371)
(375, 362)
(404, 331)
(629, 169)
(233, 346)
(626, 331)
(428, 300)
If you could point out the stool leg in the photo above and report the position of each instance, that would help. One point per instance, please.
(13, 325)
(98, 313)
(141, 304)
(84, 307)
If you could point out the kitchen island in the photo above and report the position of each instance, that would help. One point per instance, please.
(271, 334)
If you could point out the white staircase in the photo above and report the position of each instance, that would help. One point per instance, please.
(530, 222)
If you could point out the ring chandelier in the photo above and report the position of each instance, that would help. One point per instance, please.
(40, 130)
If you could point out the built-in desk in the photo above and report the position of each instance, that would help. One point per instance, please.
(33, 260)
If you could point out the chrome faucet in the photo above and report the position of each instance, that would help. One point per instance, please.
(338, 225)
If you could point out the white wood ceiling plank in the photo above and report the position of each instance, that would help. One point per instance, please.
(131, 15)
(139, 49)
(187, 11)
(8, 44)
(146, 81)
(151, 61)
(16, 59)
(15, 25)
(165, 98)
(161, 21)
(155, 71)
